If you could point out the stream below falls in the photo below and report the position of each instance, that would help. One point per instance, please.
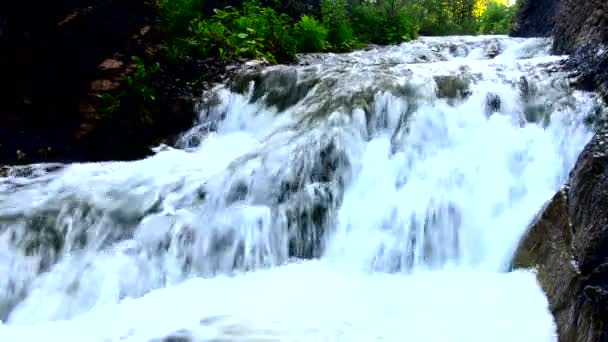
(376, 195)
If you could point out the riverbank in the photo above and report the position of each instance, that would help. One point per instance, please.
(94, 80)
(59, 62)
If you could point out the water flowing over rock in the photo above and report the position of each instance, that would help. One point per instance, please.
(408, 172)
(579, 28)
(566, 244)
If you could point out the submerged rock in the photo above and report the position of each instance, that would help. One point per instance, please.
(452, 87)
(566, 244)
(493, 103)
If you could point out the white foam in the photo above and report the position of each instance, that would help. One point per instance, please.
(440, 201)
(314, 301)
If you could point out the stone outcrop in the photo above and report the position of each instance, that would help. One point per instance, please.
(579, 28)
(535, 18)
(573, 24)
(580, 24)
(567, 244)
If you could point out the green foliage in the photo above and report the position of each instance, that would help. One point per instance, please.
(497, 18)
(258, 31)
(386, 22)
(251, 32)
(448, 17)
(335, 18)
(310, 35)
(177, 14)
(138, 89)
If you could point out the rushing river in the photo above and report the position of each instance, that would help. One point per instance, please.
(375, 195)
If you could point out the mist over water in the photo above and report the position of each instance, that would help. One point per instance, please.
(374, 195)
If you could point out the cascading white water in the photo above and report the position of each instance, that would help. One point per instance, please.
(407, 173)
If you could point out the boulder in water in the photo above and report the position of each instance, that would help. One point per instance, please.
(452, 87)
(493, 104)
(566, 244)
(493, 50)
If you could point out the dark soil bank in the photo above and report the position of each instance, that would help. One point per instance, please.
(58, 57)
(51, 55)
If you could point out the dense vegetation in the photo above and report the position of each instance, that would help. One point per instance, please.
(256, 30)
(270, 30)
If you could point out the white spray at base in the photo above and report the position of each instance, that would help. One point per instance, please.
(408, 173)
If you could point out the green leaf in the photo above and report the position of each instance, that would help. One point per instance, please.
(242, 35)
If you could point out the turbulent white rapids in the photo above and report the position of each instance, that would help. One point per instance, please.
(375, 195)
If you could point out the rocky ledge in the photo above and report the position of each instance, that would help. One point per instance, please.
(579, 28)
(567, 245)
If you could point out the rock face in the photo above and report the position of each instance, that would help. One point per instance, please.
(580, 24)
(573, 23)
(535, 18)
(568, 245)
(579, 28)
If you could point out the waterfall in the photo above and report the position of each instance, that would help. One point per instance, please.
(372, 195)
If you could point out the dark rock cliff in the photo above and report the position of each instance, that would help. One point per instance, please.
(535, 18)
(567, 243)
(579, 28)
(568, 246)
(580, 24)
(573, 24)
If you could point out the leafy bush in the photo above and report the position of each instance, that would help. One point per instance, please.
(310, 35)
(335, 18)
(137, 92)
(252, 32)
(177, 14)
(256, 31)
(386, 22)
(497, 18)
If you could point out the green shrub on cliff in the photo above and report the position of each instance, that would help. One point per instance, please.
(310, 35)
(137, 93)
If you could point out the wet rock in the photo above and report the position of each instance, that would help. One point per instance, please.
(579, 29)
(178, 336)
(493, 104)
(280, 88)
(493, 50)
(566, 244)
(588, 66)
(452, 86)
(580, 23)
(535, 18)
